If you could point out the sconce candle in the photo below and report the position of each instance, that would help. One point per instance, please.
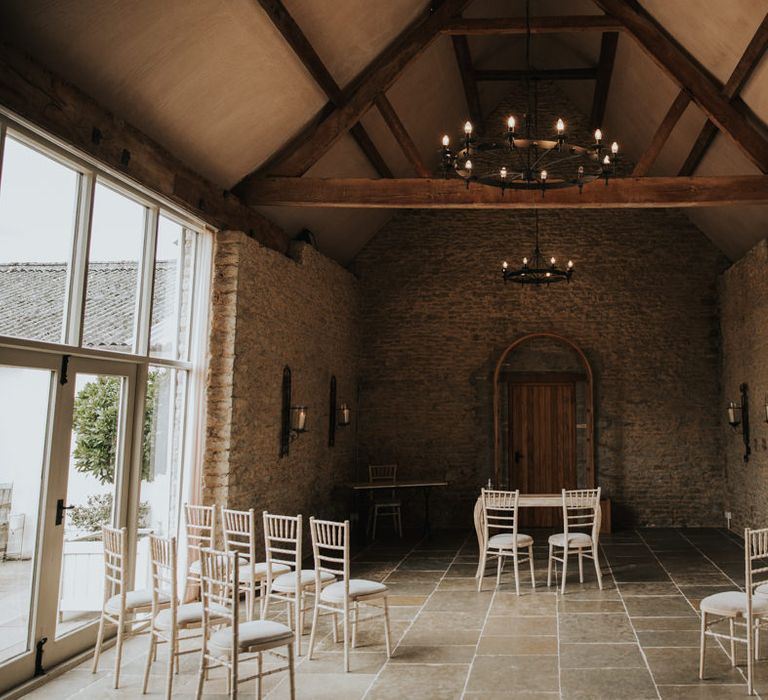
(345, 415)
(299, 419)
(733, 421)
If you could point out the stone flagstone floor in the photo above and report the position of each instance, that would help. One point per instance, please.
(638, 638)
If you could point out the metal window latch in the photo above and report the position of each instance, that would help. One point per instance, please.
(39, 670)
(60, 508)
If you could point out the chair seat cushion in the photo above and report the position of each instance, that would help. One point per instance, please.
(505, 540)
(141, 598)
(575, 539)
(387, 503)
(358, 588)
(194, 567)
(287, 582)
(188, 614)
(258, 571)
(251, 634)
(733, 604)
(762, 589)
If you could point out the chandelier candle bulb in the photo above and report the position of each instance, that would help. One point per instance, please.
(614, 148)
(468, 128)
(468, 166)
(446, 141)
(503, 173)
(543, 175)
(511, 124)
(553, 261)
(570, 264)
(560, 127)
(598, 135)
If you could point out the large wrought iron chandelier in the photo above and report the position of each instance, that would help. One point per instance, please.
(517, 158)
(536, 270)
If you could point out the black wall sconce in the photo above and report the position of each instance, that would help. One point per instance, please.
(766, 408)
(345, 415)
(738, 414)
(293, 418)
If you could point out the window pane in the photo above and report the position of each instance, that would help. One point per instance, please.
(173, 290)
(38, 205)
(117, 239)
(161, 472)
(23, 429)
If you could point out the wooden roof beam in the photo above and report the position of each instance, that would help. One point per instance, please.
(608, 45)
(376, 79)
(471, 93)
(690, 76)
(464, 26)
(430, 193)
(402, 136)
(749, 60)
(305, 52)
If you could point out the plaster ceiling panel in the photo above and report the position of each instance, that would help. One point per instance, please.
(680, 142)
(349, 34)
(388, 148)
(714, 32)
(755, 92)
(211, 80)
(340, 233)
(429, 99)
(344, 159)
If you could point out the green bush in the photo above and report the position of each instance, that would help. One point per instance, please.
(95, 424)
(98, 512)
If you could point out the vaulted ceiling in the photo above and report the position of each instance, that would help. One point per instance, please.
(218, 85)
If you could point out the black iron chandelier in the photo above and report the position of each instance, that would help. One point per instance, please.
(535, 269)
(519, 159)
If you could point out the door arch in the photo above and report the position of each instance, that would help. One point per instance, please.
(589, 402)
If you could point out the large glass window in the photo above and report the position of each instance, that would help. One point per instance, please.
(117, 242)
(38, 211)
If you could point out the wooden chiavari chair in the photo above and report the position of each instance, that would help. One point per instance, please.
(385, 503)
(201, 533)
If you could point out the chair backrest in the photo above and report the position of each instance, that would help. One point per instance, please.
(219, 574)
(239, 528)
(115, 561)
(330, 547)
(282, 542)
(164, 565)
(500, 510)
(201, 529)
(382, 473)
(755, 561)
(581, 511)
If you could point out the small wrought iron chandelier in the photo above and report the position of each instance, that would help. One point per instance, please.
(520, 159)
(535, 269)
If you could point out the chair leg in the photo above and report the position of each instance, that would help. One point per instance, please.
(259, 689)
(530, 561)
(733, 643)
(265, 608)
(299, 612)
(150, 656)
(581, 565)
(119, 649)
(598, 570)
(517, 572)
(314, 628)
(262, 597)
(355, 612)
(173, 663)
(750, 638)
(702, 644)
(99, 641)
(335, 620)
(565, 567)
(549, 566)
(375, 518)
(291, 678)
(499, 564)
(346, 635)
(399, 523)
(757, 639)
(481, 570)
(387, 636)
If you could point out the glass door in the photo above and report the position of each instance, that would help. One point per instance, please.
(65, 431)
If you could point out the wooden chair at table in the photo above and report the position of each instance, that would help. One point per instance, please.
(168, 621)
(201, 533)
(330, 545)
(743, 608)
(581, 511)
(500, 510)
(120, 605)
(240, 537)
(384, 502)
(224, 647)
(282, 542)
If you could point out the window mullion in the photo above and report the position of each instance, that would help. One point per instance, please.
(146, 283)
(78, 278)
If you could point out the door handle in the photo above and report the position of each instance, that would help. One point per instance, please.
(60, 508)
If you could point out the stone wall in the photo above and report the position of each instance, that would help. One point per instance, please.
(268, 311)
(436, 316)
(744, 327)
